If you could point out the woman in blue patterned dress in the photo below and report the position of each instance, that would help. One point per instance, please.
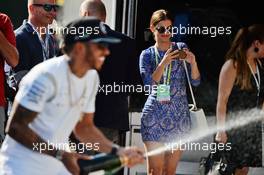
(165, 117)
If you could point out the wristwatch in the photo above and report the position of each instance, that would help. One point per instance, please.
(59, 154)
(114, 149)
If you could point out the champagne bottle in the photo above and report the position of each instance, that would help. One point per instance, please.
(106, 162)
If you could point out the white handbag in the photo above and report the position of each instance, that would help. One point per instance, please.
(198, 119)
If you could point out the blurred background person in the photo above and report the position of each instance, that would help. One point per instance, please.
(34, 42)
(120, 68)
(168, 120)
(8, 54)
(243, 75)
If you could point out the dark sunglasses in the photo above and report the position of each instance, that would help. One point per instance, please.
(48, 7)
(162, 29)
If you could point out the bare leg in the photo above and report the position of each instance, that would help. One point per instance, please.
(154, 163)
(172, 159)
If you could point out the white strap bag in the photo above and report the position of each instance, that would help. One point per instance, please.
(198, 119)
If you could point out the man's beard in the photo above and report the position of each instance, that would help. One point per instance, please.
(102, 59)
(92, 61)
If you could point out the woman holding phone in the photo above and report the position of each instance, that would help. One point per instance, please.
(165, 116)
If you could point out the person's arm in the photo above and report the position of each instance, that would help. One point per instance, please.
(19, 130)
(87, 132)
(192, 67)
(8, 51)
(145, 67)
(34, 92)
(195, 71)
(166, 60)
(36, 88)
(149, 76)
(226, 83)
(191, 59)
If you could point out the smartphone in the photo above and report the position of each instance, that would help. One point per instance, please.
(182, 53)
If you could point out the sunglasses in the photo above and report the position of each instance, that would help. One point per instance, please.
(48, 7)
(162, 29)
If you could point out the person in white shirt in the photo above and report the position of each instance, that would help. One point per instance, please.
(55, 98)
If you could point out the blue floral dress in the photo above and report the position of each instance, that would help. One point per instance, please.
(165, 122)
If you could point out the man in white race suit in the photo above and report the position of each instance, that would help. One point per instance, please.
(55, 98)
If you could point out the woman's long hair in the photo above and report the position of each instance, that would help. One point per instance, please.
(238, 53)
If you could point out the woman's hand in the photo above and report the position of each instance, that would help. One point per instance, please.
(166, 60)
(169, 56)
(190, 58)
(221, 137)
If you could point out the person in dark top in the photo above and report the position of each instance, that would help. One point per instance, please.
(241, 87)
(35, 43)
(120, 69)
